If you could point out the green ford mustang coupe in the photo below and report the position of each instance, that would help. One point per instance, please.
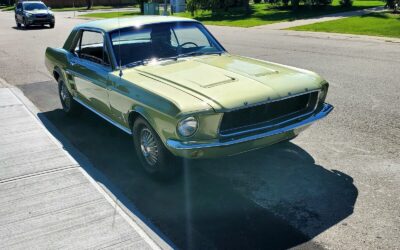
(171, 85)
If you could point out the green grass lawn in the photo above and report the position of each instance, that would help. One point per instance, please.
(261, 14)
(93, 8)
(374, 24)
(7, 8)
(112, 14)
(266, 14)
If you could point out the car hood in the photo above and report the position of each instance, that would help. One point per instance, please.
(228, 82)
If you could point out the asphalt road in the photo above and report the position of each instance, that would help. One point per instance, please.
(335, 186)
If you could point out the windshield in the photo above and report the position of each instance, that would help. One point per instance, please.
(162, 41)
(34, 6)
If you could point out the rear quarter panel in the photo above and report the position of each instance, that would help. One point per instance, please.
(56, 60)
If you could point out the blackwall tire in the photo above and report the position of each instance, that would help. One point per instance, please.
(155, 158)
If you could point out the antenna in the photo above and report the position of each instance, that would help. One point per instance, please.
(119, 42)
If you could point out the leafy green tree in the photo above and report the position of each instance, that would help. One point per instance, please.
(141, 5)
(295, 4)
(89, 4)
(346, 3)
(393, 4)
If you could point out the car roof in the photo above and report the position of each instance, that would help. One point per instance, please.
(31, 2)
(112, 24)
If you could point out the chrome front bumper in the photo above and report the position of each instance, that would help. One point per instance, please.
(199, 150)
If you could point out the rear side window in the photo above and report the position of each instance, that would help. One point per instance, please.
(91, 47)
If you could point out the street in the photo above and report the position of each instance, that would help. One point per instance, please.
(335, 186)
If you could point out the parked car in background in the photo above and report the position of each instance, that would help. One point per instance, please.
(172, 86)
(29, 13)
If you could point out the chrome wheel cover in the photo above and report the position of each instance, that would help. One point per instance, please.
(148, 146)
(65, 97)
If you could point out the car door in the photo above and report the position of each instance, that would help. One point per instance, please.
(89, 68)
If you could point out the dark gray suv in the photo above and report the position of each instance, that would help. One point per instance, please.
(33, 13)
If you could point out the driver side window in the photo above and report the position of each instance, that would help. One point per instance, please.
(91, 47)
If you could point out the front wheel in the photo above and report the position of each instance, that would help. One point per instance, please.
(52, 25)
(18, 24)
(155, 158)
(26, 25)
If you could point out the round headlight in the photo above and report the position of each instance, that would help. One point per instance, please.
(187, 126)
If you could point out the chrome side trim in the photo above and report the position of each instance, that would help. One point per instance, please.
(104, 117)
(178, 145)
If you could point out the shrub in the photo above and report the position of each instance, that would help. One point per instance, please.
(324, 2)
(191, 6)
(317, 2)
(346, 3)
(295, 4)
(272, 1)
(393, 4)
(257, 1)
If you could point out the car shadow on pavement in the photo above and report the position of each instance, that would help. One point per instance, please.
(32, 28)
(272, 198)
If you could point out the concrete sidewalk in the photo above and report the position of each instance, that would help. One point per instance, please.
(330, 17)
(47, 200)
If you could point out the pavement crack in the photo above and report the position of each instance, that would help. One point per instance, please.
(33, 175)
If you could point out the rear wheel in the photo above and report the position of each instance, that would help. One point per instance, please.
(70, 106)
(155, 158)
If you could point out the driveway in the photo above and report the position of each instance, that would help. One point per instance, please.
(335, 186)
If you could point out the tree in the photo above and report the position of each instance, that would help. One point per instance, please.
(89, 4)
(295, 4)
(246, 6)
(346, 3)
(393, 4)
(141, 5)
